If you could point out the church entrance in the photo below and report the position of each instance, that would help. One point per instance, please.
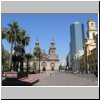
(52, 66)
(52, 69)
(43, 68)
(44, 64)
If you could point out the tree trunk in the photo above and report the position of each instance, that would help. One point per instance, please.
(16, 66)
(10, 62)
(21, 66)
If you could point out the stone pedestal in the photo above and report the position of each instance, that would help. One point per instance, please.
(11, 74)
(16, 75)
(22, 74)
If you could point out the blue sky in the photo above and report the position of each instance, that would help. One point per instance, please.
(46, 26)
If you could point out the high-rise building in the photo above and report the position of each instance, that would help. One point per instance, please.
(77, 37)
(76, 45)
(68, 60)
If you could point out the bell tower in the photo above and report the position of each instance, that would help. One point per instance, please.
(52, 50)
(52, 47)
(92, 30)
(36, 44)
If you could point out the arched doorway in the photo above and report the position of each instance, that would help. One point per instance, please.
(52, 66)
(44, 69)
(52, 69)
(44, 64)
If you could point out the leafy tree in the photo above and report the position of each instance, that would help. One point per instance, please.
(38, 54)
(5, 59)
(11, 35)
(60, 67)
(28, 57)
(16, 36)
(35, 66)
(24, 41)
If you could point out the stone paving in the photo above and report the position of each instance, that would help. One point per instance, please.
(64, 79)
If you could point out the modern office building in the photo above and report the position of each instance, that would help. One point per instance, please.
(77, 37)
(76, 45)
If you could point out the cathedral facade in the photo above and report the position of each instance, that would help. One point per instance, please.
(47, 62)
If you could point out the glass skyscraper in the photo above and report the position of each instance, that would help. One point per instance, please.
(76, 44)
(77, 37)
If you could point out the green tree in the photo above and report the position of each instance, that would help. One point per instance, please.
(34, 66)
(28, 57)
(24, 41)
(11, 35)
(5, 59)
(38, 54)
(4, 33)
(60, 67)
(16, 36)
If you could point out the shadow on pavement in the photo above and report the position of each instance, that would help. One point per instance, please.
(16, 82)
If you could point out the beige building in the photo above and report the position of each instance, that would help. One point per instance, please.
(92, 60)
(88, 61)
(48, 62)
(82, 63)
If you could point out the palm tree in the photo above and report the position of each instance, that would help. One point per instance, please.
(4, 36)
(12, 37)
(15, 35)
(24, 40)
(4, 33)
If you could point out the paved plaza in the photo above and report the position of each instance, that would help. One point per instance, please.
(64, 79)
(56, 79)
